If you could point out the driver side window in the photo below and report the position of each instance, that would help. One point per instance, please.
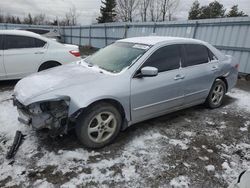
(165, 59)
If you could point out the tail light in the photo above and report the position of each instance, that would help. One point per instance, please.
(237, 66)
(75, 53)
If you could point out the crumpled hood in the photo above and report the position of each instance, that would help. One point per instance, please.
(55, 79)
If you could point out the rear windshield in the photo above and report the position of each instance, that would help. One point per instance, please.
(117, 56)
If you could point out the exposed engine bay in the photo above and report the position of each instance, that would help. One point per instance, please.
(47, 114)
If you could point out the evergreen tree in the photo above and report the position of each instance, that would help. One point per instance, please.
(234, 12)
(195, 11)
(213, 10)
(18, 21)
(108, 13)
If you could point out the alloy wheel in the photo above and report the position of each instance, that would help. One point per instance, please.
(102, 127)
(217, 94)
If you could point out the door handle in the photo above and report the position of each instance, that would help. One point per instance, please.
(214, 68)
(39, 52)
(179, 77)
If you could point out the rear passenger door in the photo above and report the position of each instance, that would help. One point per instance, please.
(152, 96)
(200, 72)
(22, 55)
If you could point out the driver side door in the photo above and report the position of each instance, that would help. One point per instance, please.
(154, 96)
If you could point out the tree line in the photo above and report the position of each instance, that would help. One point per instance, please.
(70, 18)
(160, 10)
(131, 11)
(137, 10)
(213, 10)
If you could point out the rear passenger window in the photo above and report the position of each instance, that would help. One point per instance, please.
(165, 58)
(40, 43)
(17, 42)
(195, 54)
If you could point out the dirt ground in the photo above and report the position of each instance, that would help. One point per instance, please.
(196, 147)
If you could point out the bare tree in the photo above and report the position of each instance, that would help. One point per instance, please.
(126, 9)
(167, 8)
(39, 19)
(70, 17)
(155, 10)
(1, 17)
(144, 5)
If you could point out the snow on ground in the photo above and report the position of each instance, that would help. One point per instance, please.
(180, 182)
(179, 150)
(243, 98)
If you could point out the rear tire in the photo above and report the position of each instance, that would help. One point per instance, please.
(216, 94)
(48, 65)
(99, 125)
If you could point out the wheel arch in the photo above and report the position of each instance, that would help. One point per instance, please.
(46, 63)
(111, 101)
(223, 78)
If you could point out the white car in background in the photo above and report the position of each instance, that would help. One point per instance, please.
(24, 52)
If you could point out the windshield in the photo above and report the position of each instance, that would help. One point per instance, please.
(117, 56)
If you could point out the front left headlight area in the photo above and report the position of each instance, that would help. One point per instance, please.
(51, 114)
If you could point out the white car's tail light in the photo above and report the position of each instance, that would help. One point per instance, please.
(75, 53)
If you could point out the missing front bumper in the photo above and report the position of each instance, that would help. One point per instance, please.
(53, 115)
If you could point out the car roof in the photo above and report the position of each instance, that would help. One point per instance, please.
(20, 32)
(153, 40)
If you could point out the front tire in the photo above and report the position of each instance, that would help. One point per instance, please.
(216, 94)
(99, 125)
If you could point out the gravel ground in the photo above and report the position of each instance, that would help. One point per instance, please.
(196, 147)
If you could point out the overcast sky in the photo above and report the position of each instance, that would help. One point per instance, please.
(88, 10)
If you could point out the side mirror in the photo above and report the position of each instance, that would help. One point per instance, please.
(148, 72)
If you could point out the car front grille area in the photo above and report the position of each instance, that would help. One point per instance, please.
(49, 114)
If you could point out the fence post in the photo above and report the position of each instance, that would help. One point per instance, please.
(64, 37)
(195, 29)
(80, 36)
(154, 28)
(126, 31)
(71, 35)
(90, 35)
(105, 31)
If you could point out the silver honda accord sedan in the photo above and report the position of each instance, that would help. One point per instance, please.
(129, 81)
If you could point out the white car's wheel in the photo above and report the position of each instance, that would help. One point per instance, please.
(98, 125)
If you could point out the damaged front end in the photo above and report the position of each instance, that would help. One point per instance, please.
(52, 114)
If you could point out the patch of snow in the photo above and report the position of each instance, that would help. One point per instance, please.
(210, 168)
(180, 182)
(189, 133)
(210, 151)
(129, 172)
(243, 129)
(188, 120)
(205, 158)
(226, 166)
(42, 184)
(243, 98)
(181, 143)
(209, 122)
(9, 125)
(186, 165)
